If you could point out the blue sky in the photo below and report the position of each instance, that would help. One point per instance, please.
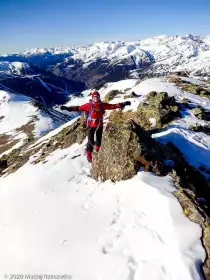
(47, 23)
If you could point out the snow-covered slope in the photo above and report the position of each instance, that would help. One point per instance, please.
(15, 68)
(20, 120)
(55, 219)
(112, 61)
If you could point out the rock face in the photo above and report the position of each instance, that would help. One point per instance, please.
(206, 242)
(200, 128)
(196, 89)
(201, 114)
(197, 216)
(125, 147)
(158, 107)
(111, 95)
(94, 69)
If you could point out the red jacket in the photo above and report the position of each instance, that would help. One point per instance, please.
(96, 114)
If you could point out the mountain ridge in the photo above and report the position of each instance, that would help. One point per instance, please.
(112, 61)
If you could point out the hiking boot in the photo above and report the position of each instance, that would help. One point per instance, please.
(97, 148)
(89, 156)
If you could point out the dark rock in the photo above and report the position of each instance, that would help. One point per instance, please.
(200, 128)
(180, 73)
(202, 168)
(132, 95)
(3, 163)
(201, 114)
(194, 213)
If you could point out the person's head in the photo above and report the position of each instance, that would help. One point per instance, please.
(96, 96)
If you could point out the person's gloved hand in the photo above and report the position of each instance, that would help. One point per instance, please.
(126, 103)
(65, 108)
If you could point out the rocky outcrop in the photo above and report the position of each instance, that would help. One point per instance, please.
(126, 147)
(111, 95)
(180, 73)
(158, 110)
(196, 215)
(201, 113)
(196, 89)
(202, 90)
(193, 193)
(200, 128)
(132, 95)
(174, 79)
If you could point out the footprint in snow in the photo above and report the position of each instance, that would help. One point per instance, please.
(132, 266)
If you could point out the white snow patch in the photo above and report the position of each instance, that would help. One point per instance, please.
(17, 110)
(195, 146)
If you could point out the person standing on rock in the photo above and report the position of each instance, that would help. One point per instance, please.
(94, 111)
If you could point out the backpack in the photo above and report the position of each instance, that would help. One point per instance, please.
(87, 115)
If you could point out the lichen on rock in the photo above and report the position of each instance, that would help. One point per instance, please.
(159, 106)
(111, 95)
(125, 147)
(200, 128)
(201, 113)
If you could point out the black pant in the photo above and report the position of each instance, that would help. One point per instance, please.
(91, 133)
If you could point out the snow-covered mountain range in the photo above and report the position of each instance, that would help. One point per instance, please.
(112, 61)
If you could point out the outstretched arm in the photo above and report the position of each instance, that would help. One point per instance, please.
(107, 106)
(84, 107)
